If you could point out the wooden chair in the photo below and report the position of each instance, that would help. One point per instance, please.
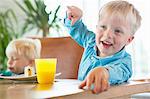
(67, 52)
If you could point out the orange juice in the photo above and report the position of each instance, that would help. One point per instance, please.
(43, 87)
(45, 69)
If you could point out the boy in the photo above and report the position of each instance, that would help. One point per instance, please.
(21, 53)
(105, 60)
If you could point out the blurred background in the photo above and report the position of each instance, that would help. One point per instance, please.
(38, 18)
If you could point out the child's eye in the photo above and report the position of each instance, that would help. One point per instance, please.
(118, 31)
(103, 27)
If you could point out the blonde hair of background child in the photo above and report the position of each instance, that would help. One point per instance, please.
(29, 48)
(123, 10)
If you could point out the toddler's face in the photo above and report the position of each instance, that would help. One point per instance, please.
(16, 63)
(113, 33)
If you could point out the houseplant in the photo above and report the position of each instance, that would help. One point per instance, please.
(37, 17)
(8, 22)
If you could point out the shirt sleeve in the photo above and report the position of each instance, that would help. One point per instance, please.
(120, 70)
(79, 32)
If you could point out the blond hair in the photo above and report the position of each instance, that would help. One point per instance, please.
(29, 48)
(122, 9)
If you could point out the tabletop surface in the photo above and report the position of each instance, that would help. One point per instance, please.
(66, 89)
(31, 89)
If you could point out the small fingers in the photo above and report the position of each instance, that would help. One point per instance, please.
(69, 12)
(105, 85)
(69, 7)
(97, 85)
(87, 83)
(81, 86)
(100, 86)
(90, 80)
(72, 7)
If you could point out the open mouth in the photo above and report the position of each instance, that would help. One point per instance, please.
(106, 44)
(11, 68)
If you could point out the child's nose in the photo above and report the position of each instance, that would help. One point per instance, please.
(108, 34)
(9, 62)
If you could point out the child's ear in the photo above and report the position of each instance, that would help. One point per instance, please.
(130, 40)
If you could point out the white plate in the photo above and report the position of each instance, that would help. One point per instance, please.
(19, 77)
(23, 77)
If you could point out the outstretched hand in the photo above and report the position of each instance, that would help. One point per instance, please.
(97, 77)
(74, 14)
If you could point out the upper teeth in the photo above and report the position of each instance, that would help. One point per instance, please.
(106, 42)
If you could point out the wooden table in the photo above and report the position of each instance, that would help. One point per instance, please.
(67, 89)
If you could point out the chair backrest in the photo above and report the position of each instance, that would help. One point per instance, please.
(67, 52)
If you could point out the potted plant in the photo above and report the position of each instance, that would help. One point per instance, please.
(37, 17)
(8, 22)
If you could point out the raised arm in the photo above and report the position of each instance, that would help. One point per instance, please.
(74, 14)
(77, 29)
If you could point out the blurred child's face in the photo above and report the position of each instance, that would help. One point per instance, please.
(16, 63)
(113, 33)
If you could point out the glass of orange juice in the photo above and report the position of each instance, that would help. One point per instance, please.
(45, 70)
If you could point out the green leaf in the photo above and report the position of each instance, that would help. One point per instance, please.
(7, 33)
(36, 16)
